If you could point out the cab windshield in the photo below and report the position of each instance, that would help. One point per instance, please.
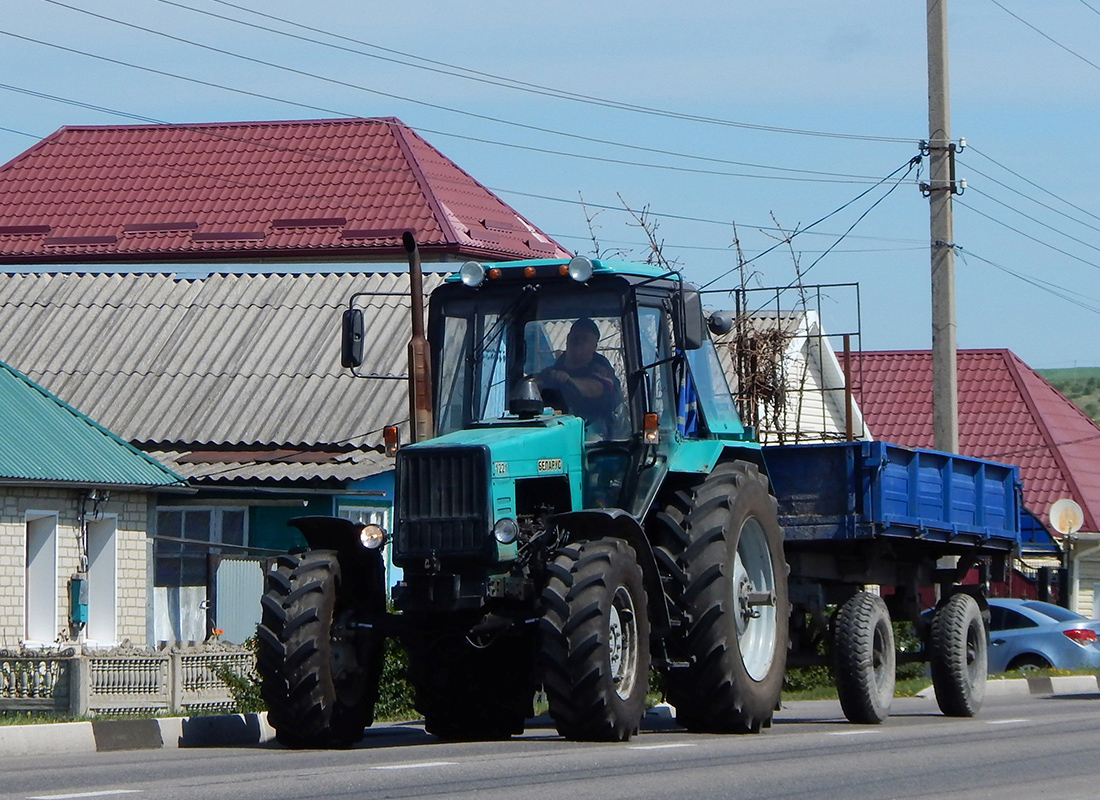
(570, 342)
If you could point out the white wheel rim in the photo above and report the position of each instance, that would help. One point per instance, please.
(756, 623)
(623, 643)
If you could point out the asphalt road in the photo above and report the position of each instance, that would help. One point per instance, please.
(1016, 748)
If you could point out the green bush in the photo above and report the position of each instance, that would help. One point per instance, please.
(395, 694)
(800, 679)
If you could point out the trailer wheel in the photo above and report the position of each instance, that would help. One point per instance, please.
(595, 641)
(958, 656)
(319, 677)
(470, 692)
(726, 551)
(864, 659)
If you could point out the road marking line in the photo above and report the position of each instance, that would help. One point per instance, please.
(659, 746)
(419, 765)
(103, 793)
(850, 733)
(1005, 721)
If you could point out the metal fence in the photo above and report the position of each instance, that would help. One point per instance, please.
(141, 683)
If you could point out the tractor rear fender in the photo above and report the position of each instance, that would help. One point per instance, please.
(601, 523)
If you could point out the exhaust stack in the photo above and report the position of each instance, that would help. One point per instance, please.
(420, 373)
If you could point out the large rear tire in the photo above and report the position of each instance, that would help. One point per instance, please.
(595, 641)
(958, 656)
(864, 659)
(722, 549)
(467, 691)
(319, 675)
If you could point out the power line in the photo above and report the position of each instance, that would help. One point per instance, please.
(1027, 236)
(1050, 39)
(1032, 183)
(1039, 203)
(726, 249)
(497, 143)
(686, 218)
(424, 103)
(324, 156)
(1063, 293)
(787, 237)
(1036, 221)
(442, 67)
(848, 179)
(79, 104)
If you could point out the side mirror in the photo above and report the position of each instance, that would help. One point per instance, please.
(351, 339)
(720, 323)
(692, 322)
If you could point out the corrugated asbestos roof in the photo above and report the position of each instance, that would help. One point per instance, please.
(44, 440)
(227, 366)
(1007, 413)
(316, 189)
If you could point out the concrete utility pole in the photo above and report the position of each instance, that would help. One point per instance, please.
(940, 187)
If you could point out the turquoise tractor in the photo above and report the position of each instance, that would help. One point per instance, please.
(583, 506)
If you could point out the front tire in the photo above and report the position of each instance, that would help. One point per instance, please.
(595, 641)
(958, 656)
(723, 545)
(864, 659)
(319, 677)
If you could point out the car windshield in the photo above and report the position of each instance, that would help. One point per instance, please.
(1054, 612)
(490, 340)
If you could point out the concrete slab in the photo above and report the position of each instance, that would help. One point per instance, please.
(34, 740)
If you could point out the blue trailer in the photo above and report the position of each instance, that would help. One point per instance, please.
(864, 513)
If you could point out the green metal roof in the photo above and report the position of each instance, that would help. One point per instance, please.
(42, 439)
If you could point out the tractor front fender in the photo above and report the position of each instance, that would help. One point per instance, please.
(601, 523)
(364, 571)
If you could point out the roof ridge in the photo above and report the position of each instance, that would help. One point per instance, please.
(399, 131)
(1013, 363)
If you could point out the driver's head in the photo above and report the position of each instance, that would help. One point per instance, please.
(583, 337)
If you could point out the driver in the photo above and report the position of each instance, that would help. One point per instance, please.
(584, 377)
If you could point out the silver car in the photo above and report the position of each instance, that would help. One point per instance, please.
(1032, 634)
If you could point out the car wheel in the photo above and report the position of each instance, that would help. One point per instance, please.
(1028, 663)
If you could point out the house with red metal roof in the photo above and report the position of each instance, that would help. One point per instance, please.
(314, 190)
(182, 285)
(1007, 413)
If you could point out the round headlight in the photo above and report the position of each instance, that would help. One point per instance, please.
(471, 273)
(371, 536)
(506, 530)
(580, 268)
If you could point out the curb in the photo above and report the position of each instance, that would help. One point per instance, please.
(1045, 686)
(225, 730)
(240, 730)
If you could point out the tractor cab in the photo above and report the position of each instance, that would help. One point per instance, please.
(519, 344)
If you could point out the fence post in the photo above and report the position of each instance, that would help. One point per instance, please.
(175, 682)
(80, 686)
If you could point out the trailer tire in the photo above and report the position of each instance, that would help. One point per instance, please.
(595, 641)
(721, 548)
(318, 679)
(469, 692)
(864, 659)
(958, 656)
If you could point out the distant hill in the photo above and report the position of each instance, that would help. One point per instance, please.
(1079, 384)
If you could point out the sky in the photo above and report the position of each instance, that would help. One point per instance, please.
(711, 121)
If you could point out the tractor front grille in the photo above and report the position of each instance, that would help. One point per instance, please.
(442, 505)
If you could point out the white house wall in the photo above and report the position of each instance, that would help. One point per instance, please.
(131, 511)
